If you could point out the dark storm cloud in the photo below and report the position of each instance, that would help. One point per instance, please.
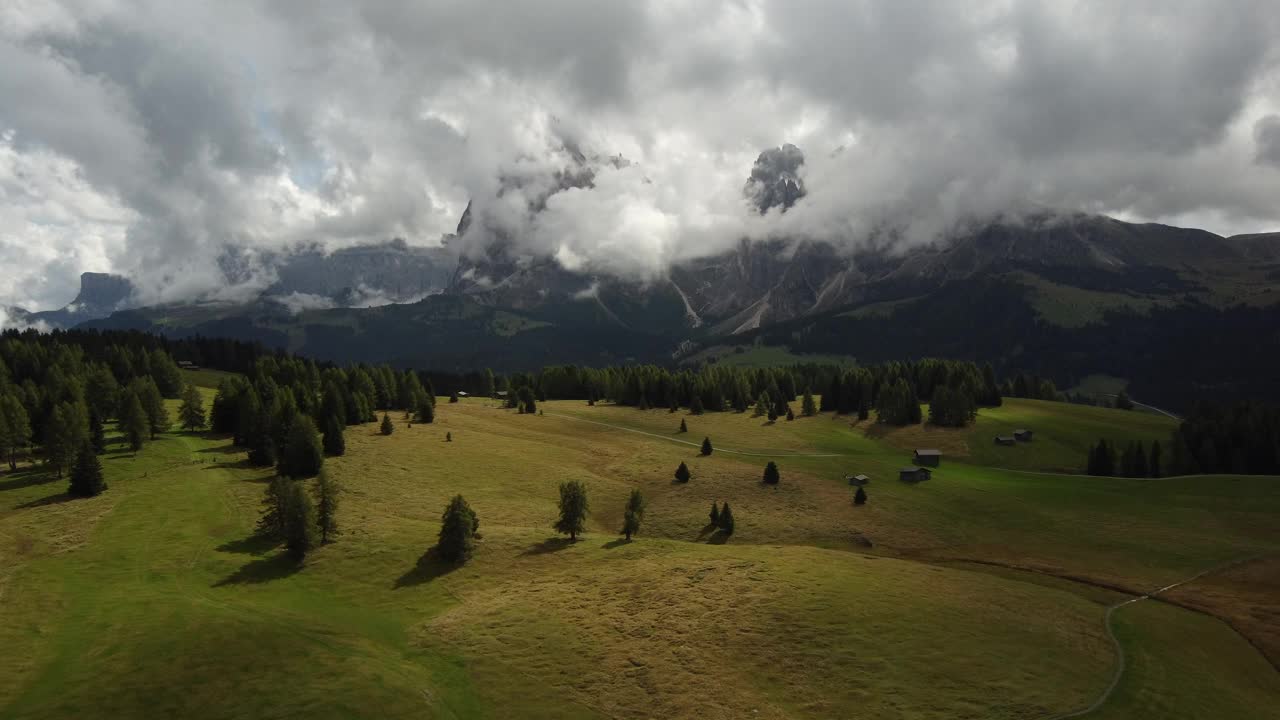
(151, 135)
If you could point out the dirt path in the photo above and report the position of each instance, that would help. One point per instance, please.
(1121, 660)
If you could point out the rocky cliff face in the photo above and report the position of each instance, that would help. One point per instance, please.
(100, 295)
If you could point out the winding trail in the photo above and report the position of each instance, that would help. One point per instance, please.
(1121, 661)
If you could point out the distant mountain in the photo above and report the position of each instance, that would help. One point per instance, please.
(100, 295)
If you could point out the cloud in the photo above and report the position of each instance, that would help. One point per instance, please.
(153, 135)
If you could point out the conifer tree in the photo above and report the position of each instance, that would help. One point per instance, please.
(86, 474)
(274, 499)
(726, 520)
(763, 405)
(334, 441)
(573, 509)
(1153, 465)
(303, 455)
(860, 497)
(448, 437)
(152, 404)
(133, 421)
(453, 396)
(682, 473)
(458, 525)
(683, 427)
(790, 414)
(15, 429)
(695, 405)
(426, 412)
(1123, 402)
(387, 426)
(97, 433)
(771, 475)
(807, 407)
(706, 446)
(633, 514)
(1139, 460)
(191, 411)
(327, 491)
(715, 514)
(299, 522)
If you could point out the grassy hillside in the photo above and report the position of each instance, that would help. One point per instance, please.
(155, 599)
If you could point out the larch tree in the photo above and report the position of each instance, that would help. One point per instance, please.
(458, 525)
(327, 491)
(86, 474)
(715, 514)
(860, 497)
(726, 520)
(299, 521)
(706, 446)
(807, 406)
(303, 455)
(573, 509)
(387, 427)
(633, 514)
(426, 411)
(191, 411)
(15, 429)
(333, 439)
(133, 421)
(684, 428)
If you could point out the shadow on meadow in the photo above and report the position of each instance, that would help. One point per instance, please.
(428, 568)
(550, 545)
(26, 477)
(264, 569)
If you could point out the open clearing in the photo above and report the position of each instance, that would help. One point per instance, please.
(978, 594)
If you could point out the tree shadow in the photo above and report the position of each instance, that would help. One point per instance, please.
(221, 450)
(26, 477)
(254, 544)
(262, 570)
(550, 545)
(616, 543)
(719, 537)
(51, 500)
(707, 529)
(428, 568)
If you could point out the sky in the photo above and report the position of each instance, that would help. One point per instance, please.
(146, 137)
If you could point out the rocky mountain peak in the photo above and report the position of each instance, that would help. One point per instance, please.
(775, 180)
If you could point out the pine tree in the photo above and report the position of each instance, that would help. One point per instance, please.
(683, 427)
(86, 474)
(133, 421)
(706, 446)
(453, 396)
(1123, 402)
(263, 452)
(726, 520)
(458, 525)
(448, 437)
(807, 407)
(1153, 465)
(633, 515)
(303, 455)
(573, 509)
(771, 475)
(1139, 461)
(790, 414)
(299, 522)
(97, 433)
(682, 473)
(334, 440)
(387, 426)
(715, 514)
(426, 412)
(191, 411)
(860, 497)
(763, 405)
(15, 429)
(695, 405)
(274, 499)
(327, 491)
(153, 405)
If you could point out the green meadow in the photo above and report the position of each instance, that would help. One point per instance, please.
(980, 593)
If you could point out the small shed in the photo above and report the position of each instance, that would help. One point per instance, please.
(1006, 440)
(463, 393)
(1022, 435)
(858, 480)
(928, 456)
(187, 365)
(501, 393)
(914, 473)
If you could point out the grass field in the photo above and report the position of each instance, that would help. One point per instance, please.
(973, 595)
